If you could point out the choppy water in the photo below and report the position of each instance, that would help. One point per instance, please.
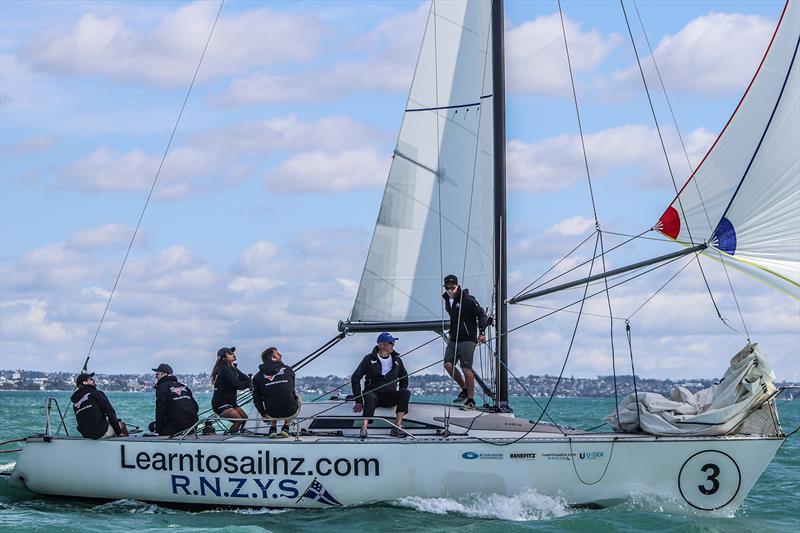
(773, 505)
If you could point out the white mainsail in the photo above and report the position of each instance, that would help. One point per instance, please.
(437, 211)
(744, 198)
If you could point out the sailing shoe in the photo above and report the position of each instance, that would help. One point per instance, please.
(399, 433)
(363, 433)
(469, 405)
(273, 432)
(461, 397)
(284, 434)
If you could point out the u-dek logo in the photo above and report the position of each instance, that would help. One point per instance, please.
(591, 455)
(470, 455)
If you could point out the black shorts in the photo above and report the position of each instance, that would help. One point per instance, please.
(463, 353)
(224, 407)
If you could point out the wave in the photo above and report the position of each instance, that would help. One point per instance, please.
(7, 467)
(528, 505)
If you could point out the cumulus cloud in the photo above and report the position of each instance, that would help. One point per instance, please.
(557, 162)
(107, 236)
(715, 54)
(107, 46)
(30, 145)
(319, 171)
(536, 58)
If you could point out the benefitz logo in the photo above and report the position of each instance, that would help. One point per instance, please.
(529, 456)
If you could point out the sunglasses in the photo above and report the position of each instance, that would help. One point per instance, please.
(451, 287)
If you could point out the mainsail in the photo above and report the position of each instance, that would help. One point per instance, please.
(744, 198)
(437, 212)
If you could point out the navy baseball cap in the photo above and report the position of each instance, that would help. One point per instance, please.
(163, 367)
(222, 352)
(82, 377)
(386, 337)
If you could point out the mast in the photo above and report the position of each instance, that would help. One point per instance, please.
(499, 113)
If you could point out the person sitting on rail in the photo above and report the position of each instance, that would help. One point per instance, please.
(273, 392)
(383, 372)
(176, 408)
(93, 411)
(227, 380)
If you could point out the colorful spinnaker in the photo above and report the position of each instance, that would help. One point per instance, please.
(744, 197)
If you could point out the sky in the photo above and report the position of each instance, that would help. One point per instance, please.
(259, 224)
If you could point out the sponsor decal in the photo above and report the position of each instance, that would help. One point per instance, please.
(528, 456)
(560, 456)
(591, 455)
(258, 476)
(476, 455)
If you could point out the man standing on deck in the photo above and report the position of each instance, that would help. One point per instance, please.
(96, 418)
(467, 328)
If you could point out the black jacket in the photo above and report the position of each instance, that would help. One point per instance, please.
(273, 390)
(93, 412)
(471, 322)
(229, 380)
(176, 408)
(370, 369)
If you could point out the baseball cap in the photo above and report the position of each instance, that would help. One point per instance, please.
(222, 352)
(386, 337)
(83, 376)
(163, 367)
(450, 279)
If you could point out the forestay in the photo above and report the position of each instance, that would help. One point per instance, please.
(717, 410)
(437, 210)
(744, 198)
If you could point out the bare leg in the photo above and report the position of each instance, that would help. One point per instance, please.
(236, 416)
(399, 420)
(470, 378)
(124, 428)
(453, 372)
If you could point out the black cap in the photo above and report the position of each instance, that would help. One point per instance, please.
(450, 279)
(163, 367)
(222, 352)
(83, 376)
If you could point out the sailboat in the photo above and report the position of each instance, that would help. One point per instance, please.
(443, 211)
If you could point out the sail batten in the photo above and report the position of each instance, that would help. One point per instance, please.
(436, 215)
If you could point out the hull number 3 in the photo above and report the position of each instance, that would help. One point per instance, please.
(709, 480)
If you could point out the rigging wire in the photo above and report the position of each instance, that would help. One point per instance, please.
(666, 158)
(153, 185)
(691, 167)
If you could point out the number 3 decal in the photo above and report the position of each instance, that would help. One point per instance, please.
(712, 477)
(709, 480)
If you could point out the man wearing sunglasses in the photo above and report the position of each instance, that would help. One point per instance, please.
(382, 371)
(96, 418)
(467, 328)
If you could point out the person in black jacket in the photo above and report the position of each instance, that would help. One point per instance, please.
(467, 328)
(176, 408)
(383, 371)
(273, 392)
(96, 418)
(227, 379)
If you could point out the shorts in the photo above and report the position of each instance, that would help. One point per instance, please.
(464, 353)
(293, 415)
(109, 433)
(224, 407)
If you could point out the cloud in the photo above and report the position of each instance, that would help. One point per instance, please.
(113, 236)
(105, 45)
(557, 163)
(329, 172)
(384, 62)
(30, 145)
(715, 54)
(536, 58)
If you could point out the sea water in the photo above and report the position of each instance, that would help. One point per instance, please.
(772, 506)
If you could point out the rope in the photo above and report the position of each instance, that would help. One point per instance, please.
(633, 373)
(611, 325)
(319, 351)
(153, 186)
(689, 262)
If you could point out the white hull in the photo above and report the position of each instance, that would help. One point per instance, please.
(706, 473)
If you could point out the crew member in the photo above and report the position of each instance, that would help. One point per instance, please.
(94, 413)
(176, 408)
(227, 380)
(383, 372)
(467, 328)
(273, 392)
